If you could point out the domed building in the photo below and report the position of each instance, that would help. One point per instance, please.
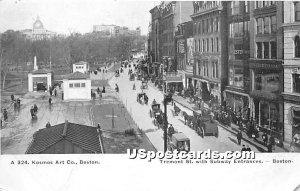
(38, 32)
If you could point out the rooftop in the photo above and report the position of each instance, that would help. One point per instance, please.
(85, 137)
(41, 71)
(76, 76)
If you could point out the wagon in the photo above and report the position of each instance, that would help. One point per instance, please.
(155, 108)
(179, 142)
(144, 85)
(207, 126)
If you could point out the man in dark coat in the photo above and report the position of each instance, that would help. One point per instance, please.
(50, 100)
(12, 97)
(239, 137)
(243, 148)
(5, 114)
(265, 138)
(32, 112)
(55, 92)
(35, 108)
(269, 147)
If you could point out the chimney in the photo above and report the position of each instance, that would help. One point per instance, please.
(65, 129)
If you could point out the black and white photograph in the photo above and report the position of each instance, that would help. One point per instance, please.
(82, 81)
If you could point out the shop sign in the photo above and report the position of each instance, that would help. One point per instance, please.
(241, 52)
(181, 47)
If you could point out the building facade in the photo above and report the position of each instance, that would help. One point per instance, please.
(210, 49)
(238, 26)
(81, 66)
(266, 71)
(183, 59)
(38, 32)
(171, 14)
(77, 86)
(291, 94)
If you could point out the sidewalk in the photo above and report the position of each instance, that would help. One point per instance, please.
(232, 129)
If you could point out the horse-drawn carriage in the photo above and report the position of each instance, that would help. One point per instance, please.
(144, 85)
(202, 122)
(179, 142)
(142, 98)
(157, 114)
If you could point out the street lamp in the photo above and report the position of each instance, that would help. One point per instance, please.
(167, 99)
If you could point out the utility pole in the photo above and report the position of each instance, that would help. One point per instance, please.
(165, 125)
(167, 99)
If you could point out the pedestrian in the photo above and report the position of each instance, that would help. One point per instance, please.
(48, 125)
(55, 92)
(50, 100)
(62, 95)
(98, 90)
(5, 115)
(239, 137)
(50, 91)
(100, 95)
(103, 89)
(243, 148)
(272, 140)
(269, 147)
(15, 106)
(35, 108)
(12, 97)
(265, 139)
(248, 148)
(117, 88)
(32, 112)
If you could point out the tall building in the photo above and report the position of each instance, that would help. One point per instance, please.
(113, 30)
(266, 70)
(184, 51)
(38, 32)
(210, 49)
(237, 91)
(106, 30)
(154, 52)
(171, 14)
(291, 94)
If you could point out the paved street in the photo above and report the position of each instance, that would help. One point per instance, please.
(225, 141)
(16, 134)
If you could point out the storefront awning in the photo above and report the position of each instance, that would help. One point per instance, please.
(265, 95)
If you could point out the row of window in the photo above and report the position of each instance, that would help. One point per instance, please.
(207, 45)
(266, 25)
(79, 67)
(266, 50)
(297, 11)
(76, 85)
(206, 26)
(297, 47)
(261, 4)
(239, 29)
(202, 68)
(237, 5)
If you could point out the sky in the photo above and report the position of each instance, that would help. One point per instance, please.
(65, 16)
